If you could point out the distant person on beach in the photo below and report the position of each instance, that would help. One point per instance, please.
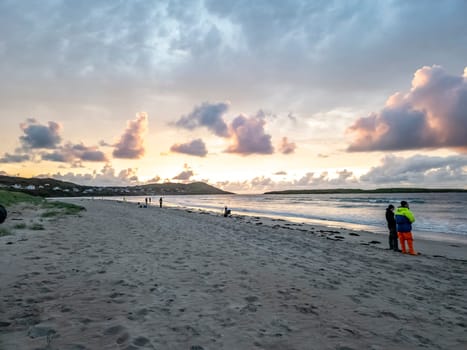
(404, 220)
(391, 220)
(3, 214)
(160, 202)
(227, 212)
(146, 201)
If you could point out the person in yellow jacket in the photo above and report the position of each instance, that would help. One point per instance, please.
(404, 219)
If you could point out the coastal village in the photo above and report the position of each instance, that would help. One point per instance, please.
(56, 188)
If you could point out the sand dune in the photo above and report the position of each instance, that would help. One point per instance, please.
(123, 277)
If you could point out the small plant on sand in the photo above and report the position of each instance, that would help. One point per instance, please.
(36, 227)
(4, 232)
(20, 226)
(50, 213)
(65, 208)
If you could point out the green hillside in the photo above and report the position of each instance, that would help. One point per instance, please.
(56, 188)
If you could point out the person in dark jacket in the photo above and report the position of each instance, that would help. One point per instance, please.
(3, 214)
(393, 245)
(404, 220)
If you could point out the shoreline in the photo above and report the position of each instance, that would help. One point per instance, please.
(379, 229)
(119, 276)
(433, 247)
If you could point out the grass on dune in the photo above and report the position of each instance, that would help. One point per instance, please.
(10, 198)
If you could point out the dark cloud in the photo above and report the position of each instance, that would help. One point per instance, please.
(287, 147)
(207, 115)
(155, 179)
(433, 114)
(14, 158)
(281, 172)
(419, 170)
(184, 175)
(40, 136)
(131, 143)
(194, 148)
(248, 137)
(71, 153)
(249, 48)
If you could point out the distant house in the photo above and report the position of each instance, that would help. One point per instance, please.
(31, 187)
(16, 186)
(56, 188)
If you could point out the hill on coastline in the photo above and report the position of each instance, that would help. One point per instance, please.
(55, 188)
(378, 190)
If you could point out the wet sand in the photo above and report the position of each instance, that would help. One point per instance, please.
(122, 277)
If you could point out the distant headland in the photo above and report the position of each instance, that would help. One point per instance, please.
(378, 190)
(55, 188)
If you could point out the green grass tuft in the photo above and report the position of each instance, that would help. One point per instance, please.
(4, 232)
(37, 227)
(20, 226)
(66, 208)
(51, 213)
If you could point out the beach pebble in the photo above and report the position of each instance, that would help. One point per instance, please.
(40, 331)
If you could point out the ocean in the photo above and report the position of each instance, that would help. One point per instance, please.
(439, 216)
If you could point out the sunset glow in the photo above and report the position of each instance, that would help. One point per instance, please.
(279, 95)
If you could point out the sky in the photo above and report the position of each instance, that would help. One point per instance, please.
(248, 96)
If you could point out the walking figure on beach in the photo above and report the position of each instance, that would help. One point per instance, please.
(404, 220)
(160, 202)
(227, 212)
(3, 214)
(391, 220)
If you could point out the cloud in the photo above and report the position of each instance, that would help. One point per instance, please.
(71, 153)
(107, 176)
(185, 175)
(208, 115)
(281, 172)
(14, 158)
(131, 143)
(155, 179)
(248, 136)
(433, 114)
(419, 171)
(40, 136)
(287, 147)
(194, 148)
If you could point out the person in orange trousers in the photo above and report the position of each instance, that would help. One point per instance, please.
(404, 219)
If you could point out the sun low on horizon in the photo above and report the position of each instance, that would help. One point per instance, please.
(247, 97)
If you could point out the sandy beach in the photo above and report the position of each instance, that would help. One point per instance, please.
(122, 277)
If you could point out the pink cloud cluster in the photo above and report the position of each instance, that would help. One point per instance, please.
(246, 134)
(131, 143)
(287, 147)
(194, 148)
(433, 114)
